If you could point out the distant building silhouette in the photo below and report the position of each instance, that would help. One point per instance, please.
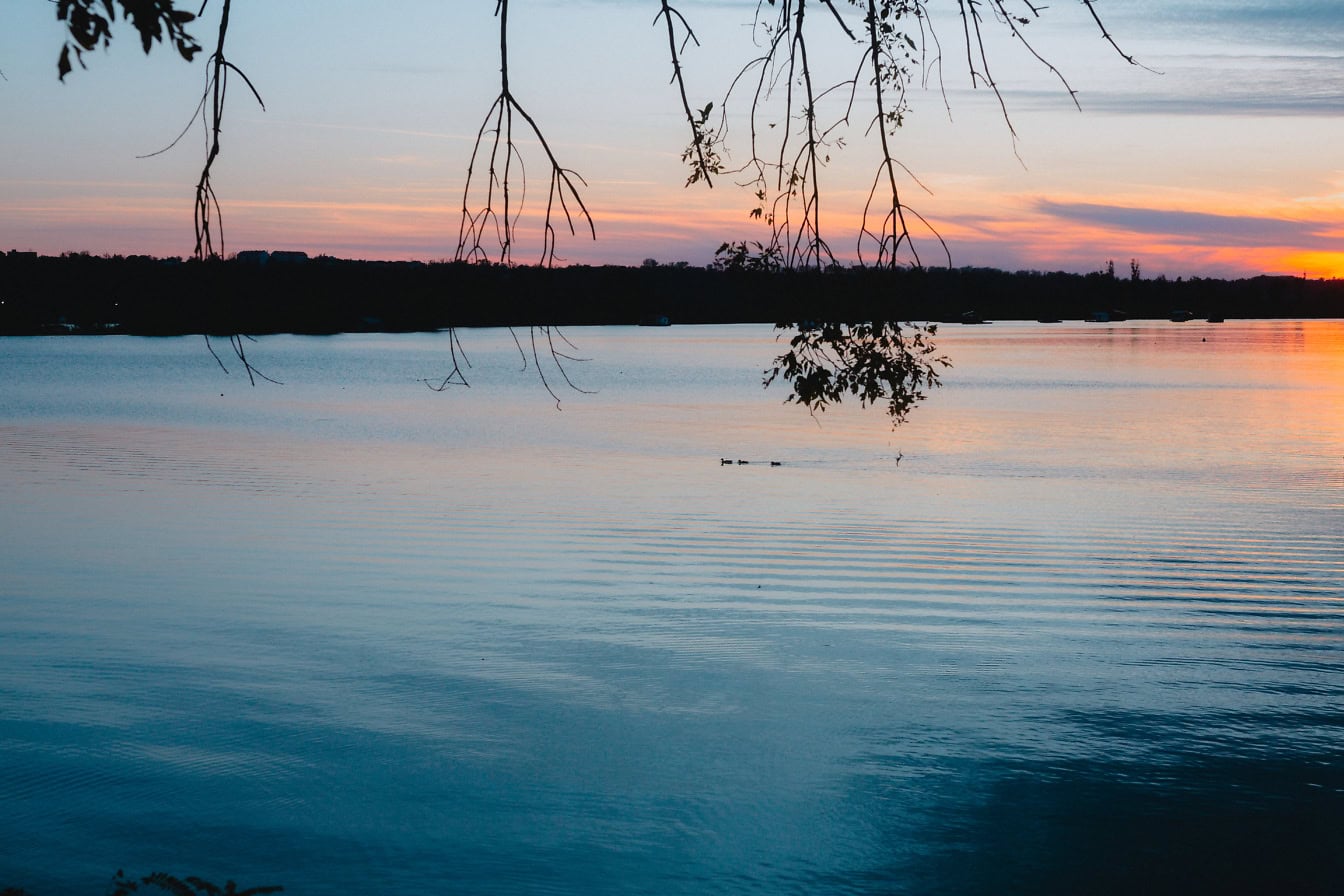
(260, 257)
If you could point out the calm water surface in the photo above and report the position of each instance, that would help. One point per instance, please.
(1078, 627)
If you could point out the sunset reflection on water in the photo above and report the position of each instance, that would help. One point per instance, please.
(1074, 628)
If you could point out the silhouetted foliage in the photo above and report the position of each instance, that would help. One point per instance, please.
(797, 117)
(90, 25)
(121, 885)
(744, 256)
(188, 886)
(873, 361)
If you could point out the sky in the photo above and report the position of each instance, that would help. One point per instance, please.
(1219, 157)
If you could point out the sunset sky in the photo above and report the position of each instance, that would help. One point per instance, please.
(1223, 159)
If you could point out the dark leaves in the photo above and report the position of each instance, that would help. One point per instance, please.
(873, 361)
(744, 256)
(191, 886)
(89, 23)
(63, 64)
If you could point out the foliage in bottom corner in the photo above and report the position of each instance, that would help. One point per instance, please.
(188, 886)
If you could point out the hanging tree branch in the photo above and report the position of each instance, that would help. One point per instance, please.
(896, 40)
(873, 360)
(496, 222)
(498, 215)
(207, 215)
(807, 248)
(702, 153)
(789, 98)
(787, 186)
(890, 71)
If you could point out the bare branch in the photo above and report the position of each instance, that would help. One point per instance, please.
(500, 212)
(455, 376)
(1111, 40)
(701, 153)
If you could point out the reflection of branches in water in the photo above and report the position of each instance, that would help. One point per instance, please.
(538, 337)
(455, 377)
(236, 343)
(558, 358)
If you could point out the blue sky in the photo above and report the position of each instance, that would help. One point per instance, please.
(1220, 158)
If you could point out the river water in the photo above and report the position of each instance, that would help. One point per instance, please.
(1077, 627)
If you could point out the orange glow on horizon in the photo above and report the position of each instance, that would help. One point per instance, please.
(1315, 265)
(668, 223)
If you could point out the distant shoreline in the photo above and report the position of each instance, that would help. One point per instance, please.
(260, 293)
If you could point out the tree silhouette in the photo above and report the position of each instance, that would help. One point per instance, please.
(796, 118)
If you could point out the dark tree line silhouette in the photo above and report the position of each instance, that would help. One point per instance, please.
(83, 293)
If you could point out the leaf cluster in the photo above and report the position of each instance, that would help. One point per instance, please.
(896, 54)
(121, 885)
(748, 256)
(702, 153)
(190, 886)
(874, 360)
(90, 25)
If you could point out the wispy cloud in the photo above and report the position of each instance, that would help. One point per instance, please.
(1296, 23)
(1231, 101)
(1208, 83)
(1217, 58)
(1199, 228)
